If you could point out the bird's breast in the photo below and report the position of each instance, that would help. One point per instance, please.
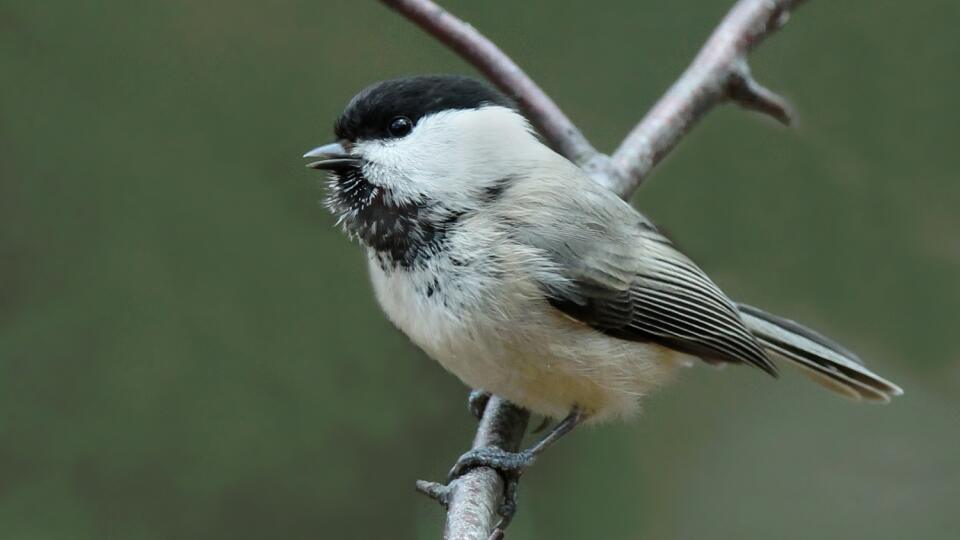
(493, 329)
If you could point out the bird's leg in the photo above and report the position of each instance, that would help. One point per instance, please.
(511, 465)
(513, 462)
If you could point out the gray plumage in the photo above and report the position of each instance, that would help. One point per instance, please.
(627, 280)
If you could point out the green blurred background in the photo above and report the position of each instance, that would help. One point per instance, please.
(189, 349)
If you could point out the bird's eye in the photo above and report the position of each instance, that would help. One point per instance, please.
(400, 126)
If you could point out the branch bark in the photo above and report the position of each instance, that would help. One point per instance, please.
(719, 73)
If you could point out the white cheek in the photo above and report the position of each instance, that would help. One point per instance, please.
(412, 168)
(452, 156)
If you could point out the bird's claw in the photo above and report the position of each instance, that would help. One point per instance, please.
(477, 402)
(508, 508)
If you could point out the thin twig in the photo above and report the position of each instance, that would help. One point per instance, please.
(718, 73)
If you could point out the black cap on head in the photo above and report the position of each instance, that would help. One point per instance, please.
(371, 112)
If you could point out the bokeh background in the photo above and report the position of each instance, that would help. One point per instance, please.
(189, 349)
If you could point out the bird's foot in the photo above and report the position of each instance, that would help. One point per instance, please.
(510, 465)
(506, 463)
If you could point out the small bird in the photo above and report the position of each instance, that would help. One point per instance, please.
(520, 275)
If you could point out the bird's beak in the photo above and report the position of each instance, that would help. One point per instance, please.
(332, 156)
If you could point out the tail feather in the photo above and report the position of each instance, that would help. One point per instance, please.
(827, 362)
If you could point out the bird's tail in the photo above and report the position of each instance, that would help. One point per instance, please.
(825, 361)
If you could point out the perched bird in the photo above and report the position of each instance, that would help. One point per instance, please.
(507, 264)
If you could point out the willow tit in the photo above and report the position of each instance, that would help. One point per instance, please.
(507, 264)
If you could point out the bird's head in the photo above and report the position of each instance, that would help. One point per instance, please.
(414, 153)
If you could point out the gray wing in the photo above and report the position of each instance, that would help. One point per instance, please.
(624, 278)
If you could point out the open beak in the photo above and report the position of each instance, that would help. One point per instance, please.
(332, 156)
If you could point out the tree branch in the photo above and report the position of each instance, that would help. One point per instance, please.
(473, 499)
(719, 73)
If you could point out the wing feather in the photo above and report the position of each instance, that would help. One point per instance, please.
(623, 277)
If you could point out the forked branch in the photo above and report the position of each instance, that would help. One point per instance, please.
(718, 74)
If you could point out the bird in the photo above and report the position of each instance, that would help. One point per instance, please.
(507, 264)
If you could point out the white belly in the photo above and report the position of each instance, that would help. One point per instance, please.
(502, 336)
